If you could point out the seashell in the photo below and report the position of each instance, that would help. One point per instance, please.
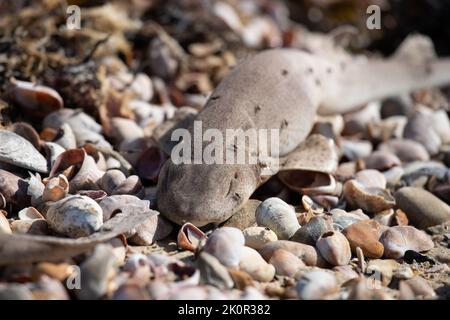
(257, 237)
(132, 186)
(111, 180)
(53, 151)
(30, 213)
(356, 149)
(96, 273)
(75, 216)
(213, 272)
(97, 195)
(252, 263)
(311, 231)
(278, 216)
(418, 129)
(381, 160)
(310, 183)
(397, 240)
(342, 219)
(245, 217)
(35, 227)
(14, 189)
(405, 149)
(150, 230)
(123, 203)
(65, 137)
(371, 178)
(286, 263)
(391, 218)
(138, 266)
(226, 244)
(334, 247)
(189, 237)
(316, 285)
(4, 224)
(365, 234)
(367, 289)
(422, 208)
(35, 189)
(304, 252)
(34, 99)
(368, 199)
(310, 206)
(15, 291)
(415, 287)
(384, 268)
(17, 151)
(56, 188)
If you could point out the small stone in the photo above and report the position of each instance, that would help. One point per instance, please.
(422, 207)
(365, 234)
(257, 237)
(286, 263)
(311, 232)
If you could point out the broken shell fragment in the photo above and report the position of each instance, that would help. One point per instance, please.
(257, 237)
(252, 263)
(75, 216)
(30, 213)
(397, 240)
(313, 229)
(384, 268)
(316, 285)
(65, 137)
(17, 151)
(4, 224)
(370, 200)
(226, 244)
(213, 272)
(34, 99)
(56, 188)
(286, 263)
(111, 180)
(189, 237)
(334, 247)
(278, 216)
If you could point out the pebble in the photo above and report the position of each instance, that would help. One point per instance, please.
(316, 285)
(257, 237)
(245, 217)
(286, 263)
(252, 263)
(311, 231)
(304, 252)
(335, 248)
(213, 272)
(226, 244)
(422, 208)
(365, 234)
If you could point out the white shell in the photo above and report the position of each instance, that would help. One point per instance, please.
(278, 216)
(75, 216)
(316, 285)
(226, 244)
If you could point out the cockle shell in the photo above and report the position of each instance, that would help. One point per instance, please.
(17, 151)
(252, 263)
(334, 247)
(397, 240)
(316, 285)
(75, 216)
(278, 216)
(226, 244)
